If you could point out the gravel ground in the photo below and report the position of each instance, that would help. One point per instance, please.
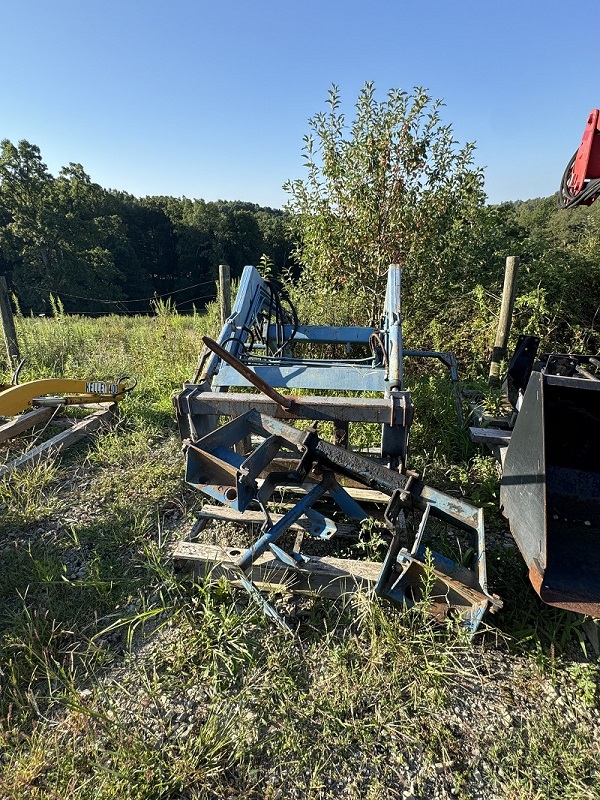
(495, 695)
(495, 698)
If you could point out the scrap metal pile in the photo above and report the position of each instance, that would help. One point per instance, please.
(246, 461)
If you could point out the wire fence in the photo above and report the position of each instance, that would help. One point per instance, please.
(155, 296)
(122, 306)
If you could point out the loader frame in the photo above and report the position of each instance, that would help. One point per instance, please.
(245, 461)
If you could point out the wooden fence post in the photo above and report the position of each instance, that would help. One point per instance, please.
(506, 312)
(224, 292)
(8, 325)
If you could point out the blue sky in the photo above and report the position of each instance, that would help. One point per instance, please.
(211, 99)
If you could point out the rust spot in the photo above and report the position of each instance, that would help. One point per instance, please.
(536, 577)
(553, 598)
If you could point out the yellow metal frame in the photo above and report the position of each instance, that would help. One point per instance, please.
(14, 399)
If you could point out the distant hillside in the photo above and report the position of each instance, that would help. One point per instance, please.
(98, 249)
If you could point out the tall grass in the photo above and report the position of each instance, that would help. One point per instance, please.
(159, 352)
(120, 678)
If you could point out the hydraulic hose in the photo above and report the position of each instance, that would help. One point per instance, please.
(566, 199)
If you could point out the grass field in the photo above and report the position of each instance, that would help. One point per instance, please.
(120, 678)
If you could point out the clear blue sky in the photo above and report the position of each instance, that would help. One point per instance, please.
(211, 99)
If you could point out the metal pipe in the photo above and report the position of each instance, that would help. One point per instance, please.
(293, 515)
(392, 312)
(586, 373)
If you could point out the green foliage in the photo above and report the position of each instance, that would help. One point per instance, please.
(121, 678)
(387, 187)
(559, 255)
(101, 250)
(159, 352)
(29, 494)
(56, 229)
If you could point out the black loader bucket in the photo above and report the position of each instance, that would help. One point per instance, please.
(550, 489)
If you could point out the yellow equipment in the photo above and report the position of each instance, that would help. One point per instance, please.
(16, 398)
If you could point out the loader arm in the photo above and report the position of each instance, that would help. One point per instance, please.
(14, 399)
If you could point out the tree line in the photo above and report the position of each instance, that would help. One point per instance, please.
(100, 250)
(387, 184)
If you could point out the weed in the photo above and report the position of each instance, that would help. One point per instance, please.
(121, 678)
(585, 682)
(371, 543)
(543, 754)
(30, 493)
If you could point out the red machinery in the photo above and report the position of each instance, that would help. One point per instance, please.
(580, 183)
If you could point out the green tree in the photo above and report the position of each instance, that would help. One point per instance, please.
(389, 186)
(27, 236)
(85, 233)
(559, 255)
(276, 241)
(200, 240)
(56, 232)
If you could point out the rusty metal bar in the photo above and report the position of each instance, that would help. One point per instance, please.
(247, 373)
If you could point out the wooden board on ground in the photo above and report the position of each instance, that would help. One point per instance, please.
(495, 438)
(227, 514)
(63, 440)
(360, 495)
(25, 421)
(326, 576)
(490, 436)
